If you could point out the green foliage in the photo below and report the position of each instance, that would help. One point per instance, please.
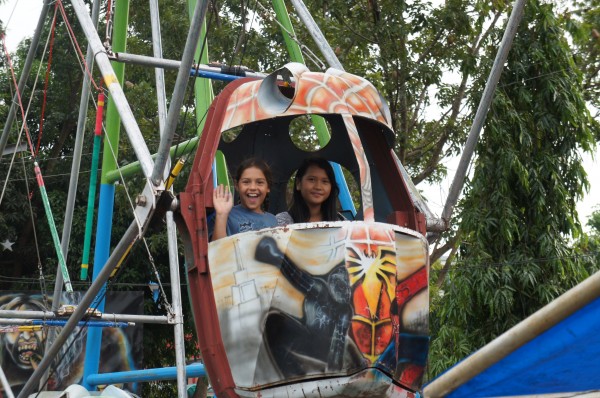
(518, 216)
(582, 20)
(517, 220)
(406, 49)
(588, 246)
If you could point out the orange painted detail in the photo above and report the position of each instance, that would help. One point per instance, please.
(371, 264)
(315, 93)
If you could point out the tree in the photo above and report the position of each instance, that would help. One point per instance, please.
(408, 50)
(583, 22)
(518, 215)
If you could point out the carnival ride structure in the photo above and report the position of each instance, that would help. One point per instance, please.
(331, 308)
(316, 309)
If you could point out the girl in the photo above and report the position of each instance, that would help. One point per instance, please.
(253, 182)
(315, 193)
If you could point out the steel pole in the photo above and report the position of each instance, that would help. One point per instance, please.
(6, 384)
(155, 319)
(196, 69)
(74, 178)
(482, 110)
(117, 96)
(158, 72)
(316, 34)
(177, 306)
(128, 239)
(109, 163)
(179, 91)
(61, 322)
(75, 165)
(35, 40)
(525, 331)
(171, 229)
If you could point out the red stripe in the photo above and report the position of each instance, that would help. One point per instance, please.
(99, 113)
(38, 175)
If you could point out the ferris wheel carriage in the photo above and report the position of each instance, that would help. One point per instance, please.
(316, 309)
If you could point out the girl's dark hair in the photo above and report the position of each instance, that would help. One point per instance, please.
(298, 209)
(259, 164)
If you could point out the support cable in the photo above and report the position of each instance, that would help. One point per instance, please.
(48, 68)
(247, 35)
(31, 53)
(40, 180)
(308, 53)
(76, 45)
(37, 249)
(109, 26)
(168, 305)
(240, 32)
(480, 116)
(24, 117)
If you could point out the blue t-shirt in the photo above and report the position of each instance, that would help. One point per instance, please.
(242, 220)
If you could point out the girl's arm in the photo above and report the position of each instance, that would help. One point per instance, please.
(223, 203)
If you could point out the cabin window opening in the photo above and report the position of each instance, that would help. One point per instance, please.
(304, 134)
(231, 134)
(355, 195)
(342, 205)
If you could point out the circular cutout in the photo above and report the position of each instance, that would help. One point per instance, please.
(304, 134)
(231, 134)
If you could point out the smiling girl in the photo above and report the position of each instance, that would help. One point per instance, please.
(252, 182)
(315, 193)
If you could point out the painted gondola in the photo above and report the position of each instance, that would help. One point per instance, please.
(329, 309)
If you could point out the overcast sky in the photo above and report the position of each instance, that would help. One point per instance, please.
(20, 18)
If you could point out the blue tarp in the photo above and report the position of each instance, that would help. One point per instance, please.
(565, 358)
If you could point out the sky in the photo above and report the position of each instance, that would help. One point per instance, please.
(20, 18)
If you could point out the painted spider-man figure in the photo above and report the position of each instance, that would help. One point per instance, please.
(318, 340)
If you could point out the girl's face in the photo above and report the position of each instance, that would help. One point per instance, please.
(314, 186)
(253, 189)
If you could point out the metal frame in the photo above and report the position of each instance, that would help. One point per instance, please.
(145, 213)
(154, 170)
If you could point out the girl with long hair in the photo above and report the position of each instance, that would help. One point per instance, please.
(315, 193)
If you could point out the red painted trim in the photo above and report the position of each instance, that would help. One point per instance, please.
(409, 287)
(405, 213)
(99, 114)
(193, 203)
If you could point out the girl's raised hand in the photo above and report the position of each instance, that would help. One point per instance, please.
(222, 200)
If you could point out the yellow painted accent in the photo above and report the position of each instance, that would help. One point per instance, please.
(110, 79)
(174, 173)
(122, 259)
(84, 266)
(32, 328)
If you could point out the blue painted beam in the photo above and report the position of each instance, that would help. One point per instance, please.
(170, 373)
(88, 323)
(214, 75)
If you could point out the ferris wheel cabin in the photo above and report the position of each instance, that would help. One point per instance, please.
(329, 309)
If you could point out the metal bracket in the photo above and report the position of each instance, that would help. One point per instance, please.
(146, 203)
